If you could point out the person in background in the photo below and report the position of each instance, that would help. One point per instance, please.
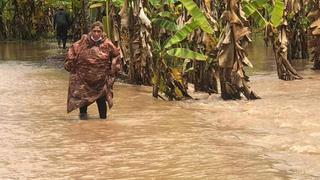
(61, 23)
(93, 63)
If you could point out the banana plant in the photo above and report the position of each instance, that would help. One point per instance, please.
(80, 18)
(297, 24)
(167, 77)
(204, 74)
(3, 26)
(21, 25)
(232, 56)
(276, 27)
(133, 33)
(42, 20)
(314, 32)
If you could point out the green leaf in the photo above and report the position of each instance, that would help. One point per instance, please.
(166, 24)
(197, 15)
(57, 3)
(117, 3)
(182, 34)
(277, 13)
(162, 85)
(155, 79)
(168, 1)
(259, 3)
(248, 9)
(262, 22)
(185, 65)
(251, 10)
(268, 7)
(155, 3)
(178, 92)
(189, 70)
(96, 5)
(166, 14)
(187, 54)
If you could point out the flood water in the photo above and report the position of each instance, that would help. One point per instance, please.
(276, 137)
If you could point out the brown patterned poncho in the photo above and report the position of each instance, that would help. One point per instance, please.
(93, 67)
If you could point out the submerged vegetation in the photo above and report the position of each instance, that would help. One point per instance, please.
(168, 44)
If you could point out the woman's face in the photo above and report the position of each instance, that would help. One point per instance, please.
(96, 33)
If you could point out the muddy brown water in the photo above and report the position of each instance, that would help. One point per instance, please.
(276, 137)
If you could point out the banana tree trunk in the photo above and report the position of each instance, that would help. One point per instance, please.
(314, 32)
(85, 16)
(80, 18)
(280, 47)
(41, 19)
(3, 29)
(281, 43)
(125, 38)
(21, 26)
(298, 47)
(136, 42)
(232, 55)
(204, 76)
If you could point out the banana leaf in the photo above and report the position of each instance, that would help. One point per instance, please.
(155, 3)
(187, 54)
(197, 15)
(277, 13)
(166, 24)
(166, 14)
(251, 10)
(182, 34)
(96, 5)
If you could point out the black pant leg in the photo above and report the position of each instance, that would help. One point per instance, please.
(64, 41)
(102, 107)
(83, 109)
(62, 34)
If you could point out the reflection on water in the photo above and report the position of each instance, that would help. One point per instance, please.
(276, 137)
(263, 58)
(26, 51)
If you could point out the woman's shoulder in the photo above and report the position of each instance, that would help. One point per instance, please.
(83, 39)
(107, 42)
(78, 45)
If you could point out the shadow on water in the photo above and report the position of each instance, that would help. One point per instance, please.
(276, 137)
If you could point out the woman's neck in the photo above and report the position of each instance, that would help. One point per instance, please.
(96, 40)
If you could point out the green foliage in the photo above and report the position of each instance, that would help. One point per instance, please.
(118, 3)
(187, 54)
(197, 15)
(277, 13)
(182, 34)
(155, 3)
(166, 24)
(259, 3)
(198, 20)
(166, 14)
(3, 4)
(185, 66)
(57, 3)
(253, 8)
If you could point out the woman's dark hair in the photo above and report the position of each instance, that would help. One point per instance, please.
(97, 23)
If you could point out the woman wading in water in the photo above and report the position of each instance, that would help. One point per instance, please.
(93, 63)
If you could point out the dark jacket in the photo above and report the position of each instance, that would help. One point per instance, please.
(61, 19)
